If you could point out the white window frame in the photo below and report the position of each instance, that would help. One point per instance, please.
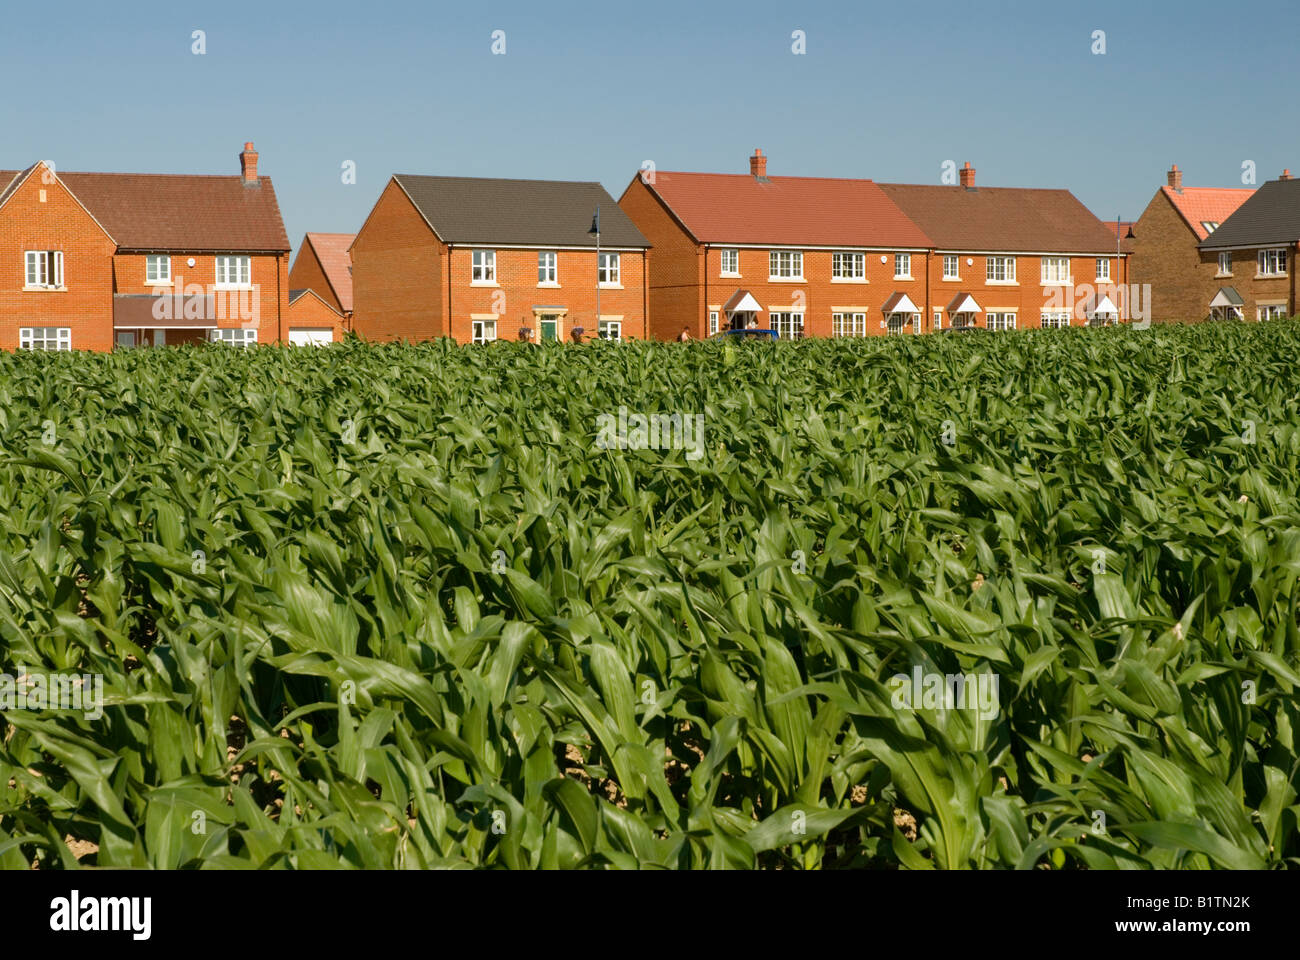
(955, 272)
(732, 270)
(938, 319)
(1103, 269)
(848, 324)
(608, 270)
(45, 338)
(713, 322)
(1209, 226)
(43, 270)
(609, 330)
(1225, 264)
(1056, 271)
(913, 320)
(234, 336)
(902, 266)
(240, 267)
(548, 268)
(1272, 262)
(790, 321)
(483, 267)
(483, 331)
(1000, 320)
(158, 270)
(1006, 266)
(847, 266)
(1271, 311)
(785, 265)
(1054, 319)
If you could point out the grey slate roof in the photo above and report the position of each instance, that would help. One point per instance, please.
(544, 213)
(1270, 217)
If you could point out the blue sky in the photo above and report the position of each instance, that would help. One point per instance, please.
(587, 91)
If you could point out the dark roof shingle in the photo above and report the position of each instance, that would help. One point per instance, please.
(550, 213)
(1270, 216)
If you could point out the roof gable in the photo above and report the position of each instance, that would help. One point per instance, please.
(1270, 216)
(786, 211)
(332, 253)
(541, 213)
(1201, 205)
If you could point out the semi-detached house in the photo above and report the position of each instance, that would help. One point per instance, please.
(1255, 254)
(98, 261)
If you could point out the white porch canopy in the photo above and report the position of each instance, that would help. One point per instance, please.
(742, 302)
(903, 304)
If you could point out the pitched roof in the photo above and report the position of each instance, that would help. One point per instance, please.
(551, 213)
(1120, 228)
(296, 295)
(1202, 205)
(817, 211)
(180, 212)
(1011, 219)
(332, 252)
(1270, 216)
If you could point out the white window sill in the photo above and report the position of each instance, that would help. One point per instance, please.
(1058, 283)
(611, 286)
(158, 283)
(1103, 280)
(786, 280)
(1223, 276)
(549, 286)
(897, 277)
(27, 289)
(1001, 283)
(232, 286)
(730, 276)
(952, 279)
(848, 279)
(1271, 276)
(482, 283)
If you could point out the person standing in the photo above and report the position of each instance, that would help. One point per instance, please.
(685, 335)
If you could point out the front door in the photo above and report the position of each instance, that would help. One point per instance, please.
(550, 324)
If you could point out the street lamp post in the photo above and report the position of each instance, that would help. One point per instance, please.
(595, 228)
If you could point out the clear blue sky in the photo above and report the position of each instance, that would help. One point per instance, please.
(587, 91)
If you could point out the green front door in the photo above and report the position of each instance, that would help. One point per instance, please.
(550, 324)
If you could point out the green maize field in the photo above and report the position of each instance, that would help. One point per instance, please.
(396, 607)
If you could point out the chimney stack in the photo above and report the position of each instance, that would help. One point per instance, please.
(758, 165)
(1286, 174)
(1176, 178)
(248, 165)
(968, 176)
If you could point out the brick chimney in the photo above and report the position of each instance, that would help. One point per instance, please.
(968, 176)
(1286, 175)
(1176, 178)
(248, 165)
(758, 165)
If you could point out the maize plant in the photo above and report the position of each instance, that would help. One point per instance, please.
(1020, 600)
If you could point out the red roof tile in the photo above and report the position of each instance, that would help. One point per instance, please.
(1002, 219)
(736, 208)
(1199, 205)
(332, 252)
(178, 212)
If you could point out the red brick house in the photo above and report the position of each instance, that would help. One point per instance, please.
(480, 259)
(1254, 251)
(104, 260)
(313, 321)
(1005, 258)
(324, 266)
(1185, 280)
(801, 255)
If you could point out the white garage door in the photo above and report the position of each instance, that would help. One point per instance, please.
(311, 336)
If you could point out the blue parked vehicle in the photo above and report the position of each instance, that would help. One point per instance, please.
(751, 332)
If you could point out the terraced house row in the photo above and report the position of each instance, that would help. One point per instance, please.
(106, 261)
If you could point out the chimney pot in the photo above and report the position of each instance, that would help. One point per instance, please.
(1286, 174)
(968, 176)
(1176, 178)
(758, 165)
(248, 165)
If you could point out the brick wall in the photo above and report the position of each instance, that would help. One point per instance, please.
(311, 313)
(398, 266)
(58, 223)
(676, 265)
(1165, 255)
(308, 274)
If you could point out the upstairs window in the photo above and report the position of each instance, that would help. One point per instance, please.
(848, 266)
(546, 268)
(902, 266)
(1056, 270)
(1225, 264)
(952, 268)
(1001, 270)
(1103, 269)
(731, 263)
(157, 269)
(785, 265)
(234, 271)
(484, 266)
(1272, 263)
(45, 269)
(607, 272)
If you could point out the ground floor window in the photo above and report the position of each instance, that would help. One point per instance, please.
(788, 326)
(1001, 321)
(609, 329)
(848, 324)
(938, 319)
(1053, 319)
(1272, 311)
(713, 322)
(237, 338)
(483, 331)
(45, 338)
